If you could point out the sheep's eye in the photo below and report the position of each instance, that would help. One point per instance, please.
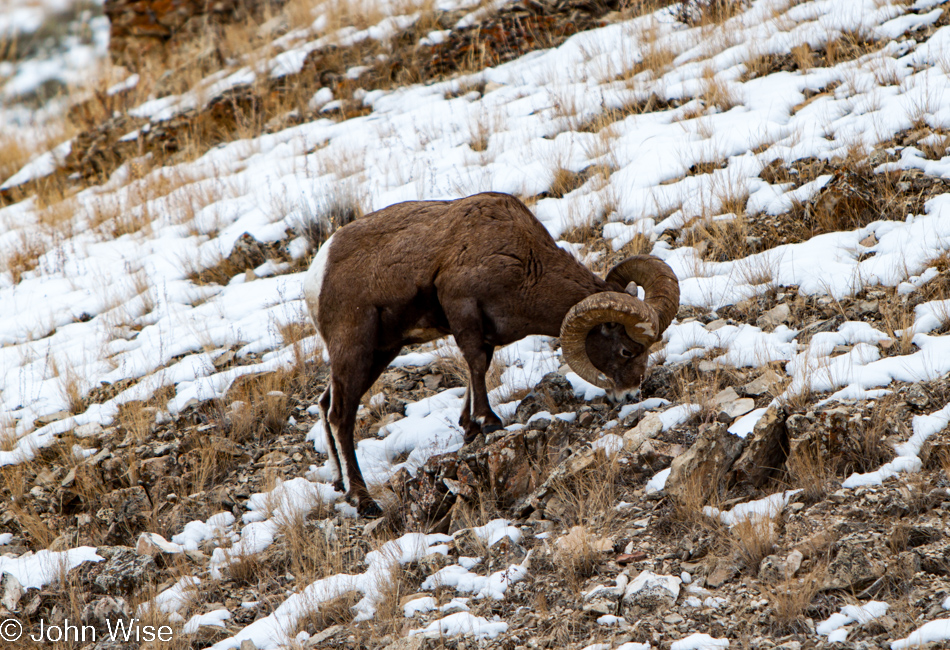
(626, 353)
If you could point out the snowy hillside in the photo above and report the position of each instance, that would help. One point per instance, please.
(789, 160)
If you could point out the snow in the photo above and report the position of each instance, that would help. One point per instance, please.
(767, 507)
(271, 631)
(859, 614)
(658, 482)
(40, 569)
(214, 618)
(493, 586)
(699, 641)
(173, 599)
(462, 623)
(495, 531)
(932, 632)
(908, 459)
(744, 425)
(611, 443)
(419, 606)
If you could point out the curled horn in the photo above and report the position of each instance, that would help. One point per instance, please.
(661, 289)
(644, 320)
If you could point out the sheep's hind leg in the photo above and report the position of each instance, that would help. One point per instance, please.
(333, 452)
(358, 380)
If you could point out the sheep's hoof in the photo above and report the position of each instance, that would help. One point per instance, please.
(338, 485)
(369, 510)
(490, 428)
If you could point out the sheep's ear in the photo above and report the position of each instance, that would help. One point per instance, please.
(632, 289)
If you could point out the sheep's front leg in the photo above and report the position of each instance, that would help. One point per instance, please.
(477, 416)
(465, 321)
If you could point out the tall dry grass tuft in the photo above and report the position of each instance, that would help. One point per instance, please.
(810, 471)
(332, 212)
(792, 598)
(753, 539)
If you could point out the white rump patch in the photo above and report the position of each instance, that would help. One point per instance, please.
(313, 281)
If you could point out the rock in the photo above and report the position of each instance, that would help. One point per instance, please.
(775, 569)
(102, 611)
(247, 644)
(774, 317)
(651, 591)
(88, 430)
(707, 365)
(122, 572)
(69, 479)
(647, 428)
(141, 30)
(12, 592)
(768, 382)
(432, 382)
(539, 421)
(153, 544)
(125, 509)
(49, 418)
(915, 395)
(724, 396)
(699, 470)
(725, 570)
(152, 469)
(553, 393)
(852, 568)
(765, 449)
(731, 405)
(417, 642)
(657, 453)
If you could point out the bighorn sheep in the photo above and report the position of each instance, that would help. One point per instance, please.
(485, 270)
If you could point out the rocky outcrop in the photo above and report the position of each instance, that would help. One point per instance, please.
(141, 29)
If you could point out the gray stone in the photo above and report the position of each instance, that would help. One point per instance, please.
(12, 592)
(775, 316)
(698, 471)
(123, 572)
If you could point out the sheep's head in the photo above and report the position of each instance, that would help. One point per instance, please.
(606, 337)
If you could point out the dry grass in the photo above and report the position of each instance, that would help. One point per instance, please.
(896, 321)
(655, 57)
(716, 92)
(848, 46)
(804, 57)
(810, 471)
(24, 259)
(708, 13)
(14, 153)
(577, 556)
(332, 212)
(792, 599)
(753, 539)
(602, 121)
(16, 481)
(693, 496)
(565, 181)
(312, 546)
